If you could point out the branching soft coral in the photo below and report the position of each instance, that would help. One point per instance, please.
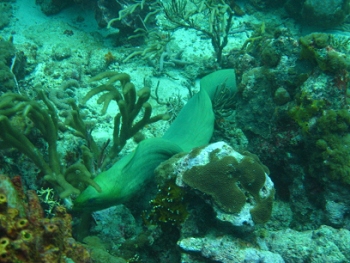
(43, 116)
(130, 103)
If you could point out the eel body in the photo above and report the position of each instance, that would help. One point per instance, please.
(192, 128)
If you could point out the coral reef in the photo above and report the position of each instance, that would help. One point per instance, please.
(325, 126)
(6, 12)
(99, 252)
(51, 7)
(238, 184)
(320, 13)
(192, 128)
(133, 16)
(65, 180)
(27, 236)
(329, 13)
(331, 132)
(62, 96)
(326, 50)
(169, 206)
(290, 108)
(324, 244)
(118, 231)
(321, 245)
(225, 249)
(73, 178)
(7, 56)
(190, 15)
(130, 103)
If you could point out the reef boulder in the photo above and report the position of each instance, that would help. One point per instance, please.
(237, 185)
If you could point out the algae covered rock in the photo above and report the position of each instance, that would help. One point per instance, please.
(238, 185)
(325, 13)
(51, 7)
(281, 96)
(6, 12)
(328, 51)
(225, 249)
(7, 54)
(325, 244)
(321, 13)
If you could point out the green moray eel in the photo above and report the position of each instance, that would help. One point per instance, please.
(192, 128)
